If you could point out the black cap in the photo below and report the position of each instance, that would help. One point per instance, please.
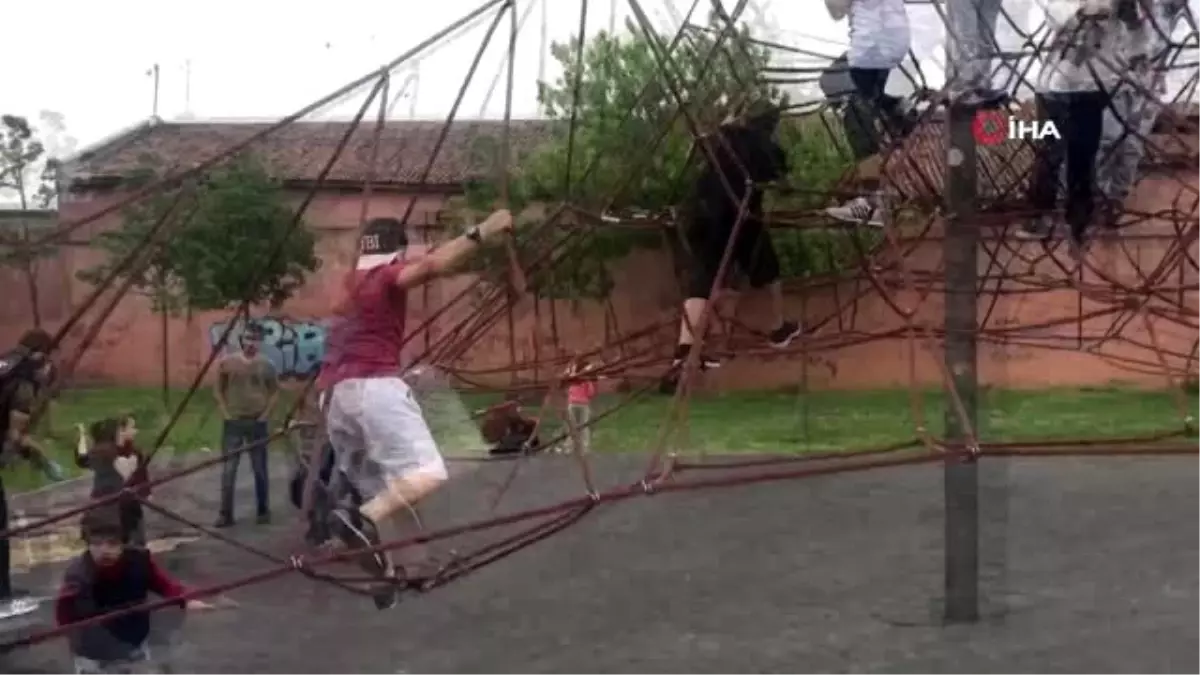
(382, 236)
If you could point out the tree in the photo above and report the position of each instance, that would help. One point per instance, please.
(29, 176)
(626, 124)
(235, 239)
(231, 238)
(615, 128)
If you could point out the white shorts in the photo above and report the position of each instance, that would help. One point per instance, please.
(379, 434)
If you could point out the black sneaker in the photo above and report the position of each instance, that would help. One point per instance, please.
(223, 522)
(982, 97)
(387, 595)
(782, 337)
(706, 362)
(358, 533)
(1077, 246)
(1036, 229)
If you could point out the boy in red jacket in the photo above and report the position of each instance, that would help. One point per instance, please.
(107, 577)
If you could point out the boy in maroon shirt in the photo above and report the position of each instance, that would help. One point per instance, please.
(107, 577)
(375, 424)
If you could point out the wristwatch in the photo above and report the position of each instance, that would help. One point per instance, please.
(474, 235)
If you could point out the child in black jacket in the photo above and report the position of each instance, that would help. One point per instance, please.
(107, 577)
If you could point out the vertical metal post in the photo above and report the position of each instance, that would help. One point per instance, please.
(961, 471)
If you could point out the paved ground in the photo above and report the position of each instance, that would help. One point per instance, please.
(1091, 565)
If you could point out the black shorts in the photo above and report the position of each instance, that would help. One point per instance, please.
(708, 237)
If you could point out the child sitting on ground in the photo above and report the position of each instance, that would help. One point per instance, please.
(509, 428)
(107, 577)
(108, 450)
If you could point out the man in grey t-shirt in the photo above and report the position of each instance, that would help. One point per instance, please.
(246, 389)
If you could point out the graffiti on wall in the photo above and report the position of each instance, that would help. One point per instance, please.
(294, 347)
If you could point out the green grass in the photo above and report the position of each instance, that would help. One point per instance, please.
(756, 422)
(199, 425)
(773, 422)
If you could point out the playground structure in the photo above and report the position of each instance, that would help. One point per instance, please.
(1136, 304)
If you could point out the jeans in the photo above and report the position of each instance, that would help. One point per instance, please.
(331, 488)
(1079, 117)
(1127, 123)
(237, 434)
(871, 106)
(971, 42)
(5, 559)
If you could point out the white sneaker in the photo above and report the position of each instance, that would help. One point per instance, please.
(859, 210)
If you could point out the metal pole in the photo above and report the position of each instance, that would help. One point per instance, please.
(961, 470)
(154, 105)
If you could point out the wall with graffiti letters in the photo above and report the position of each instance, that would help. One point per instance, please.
(295, 347)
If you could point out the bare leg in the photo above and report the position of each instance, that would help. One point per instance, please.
(390, 514)
(693, 309)
(395, 508)
(775, 291)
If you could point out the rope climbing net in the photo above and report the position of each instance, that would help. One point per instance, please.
(1143, 277)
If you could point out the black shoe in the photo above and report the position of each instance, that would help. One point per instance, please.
(977, 97)
(357, 533)
(1036, 229)
(706, 362)
(1077, 246)
(263, 519)
(223, 522)
(387, 595)
(782, 337)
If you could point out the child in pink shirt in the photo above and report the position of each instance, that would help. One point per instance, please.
(581, 389)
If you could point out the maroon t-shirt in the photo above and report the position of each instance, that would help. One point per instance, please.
(367, 330)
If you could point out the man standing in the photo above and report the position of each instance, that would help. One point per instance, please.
(246, 389)
(24, 371)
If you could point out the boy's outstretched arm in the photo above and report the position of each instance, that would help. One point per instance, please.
(168, 587)
(444, 259)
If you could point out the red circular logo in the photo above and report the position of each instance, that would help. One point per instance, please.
(990, 127)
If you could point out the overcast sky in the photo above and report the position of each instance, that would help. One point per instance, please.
(264, 59)
(267, 58)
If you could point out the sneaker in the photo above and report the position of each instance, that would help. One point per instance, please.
(859, 211)
(1112, 214)
(223, 522)
(706, 362)
(387, 595)
(1037, 229)
(1077, 246)
(782, 337)
(263, 519)
(357, 533)
(979, 97)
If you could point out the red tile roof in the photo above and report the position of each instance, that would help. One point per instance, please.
(300, 150)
